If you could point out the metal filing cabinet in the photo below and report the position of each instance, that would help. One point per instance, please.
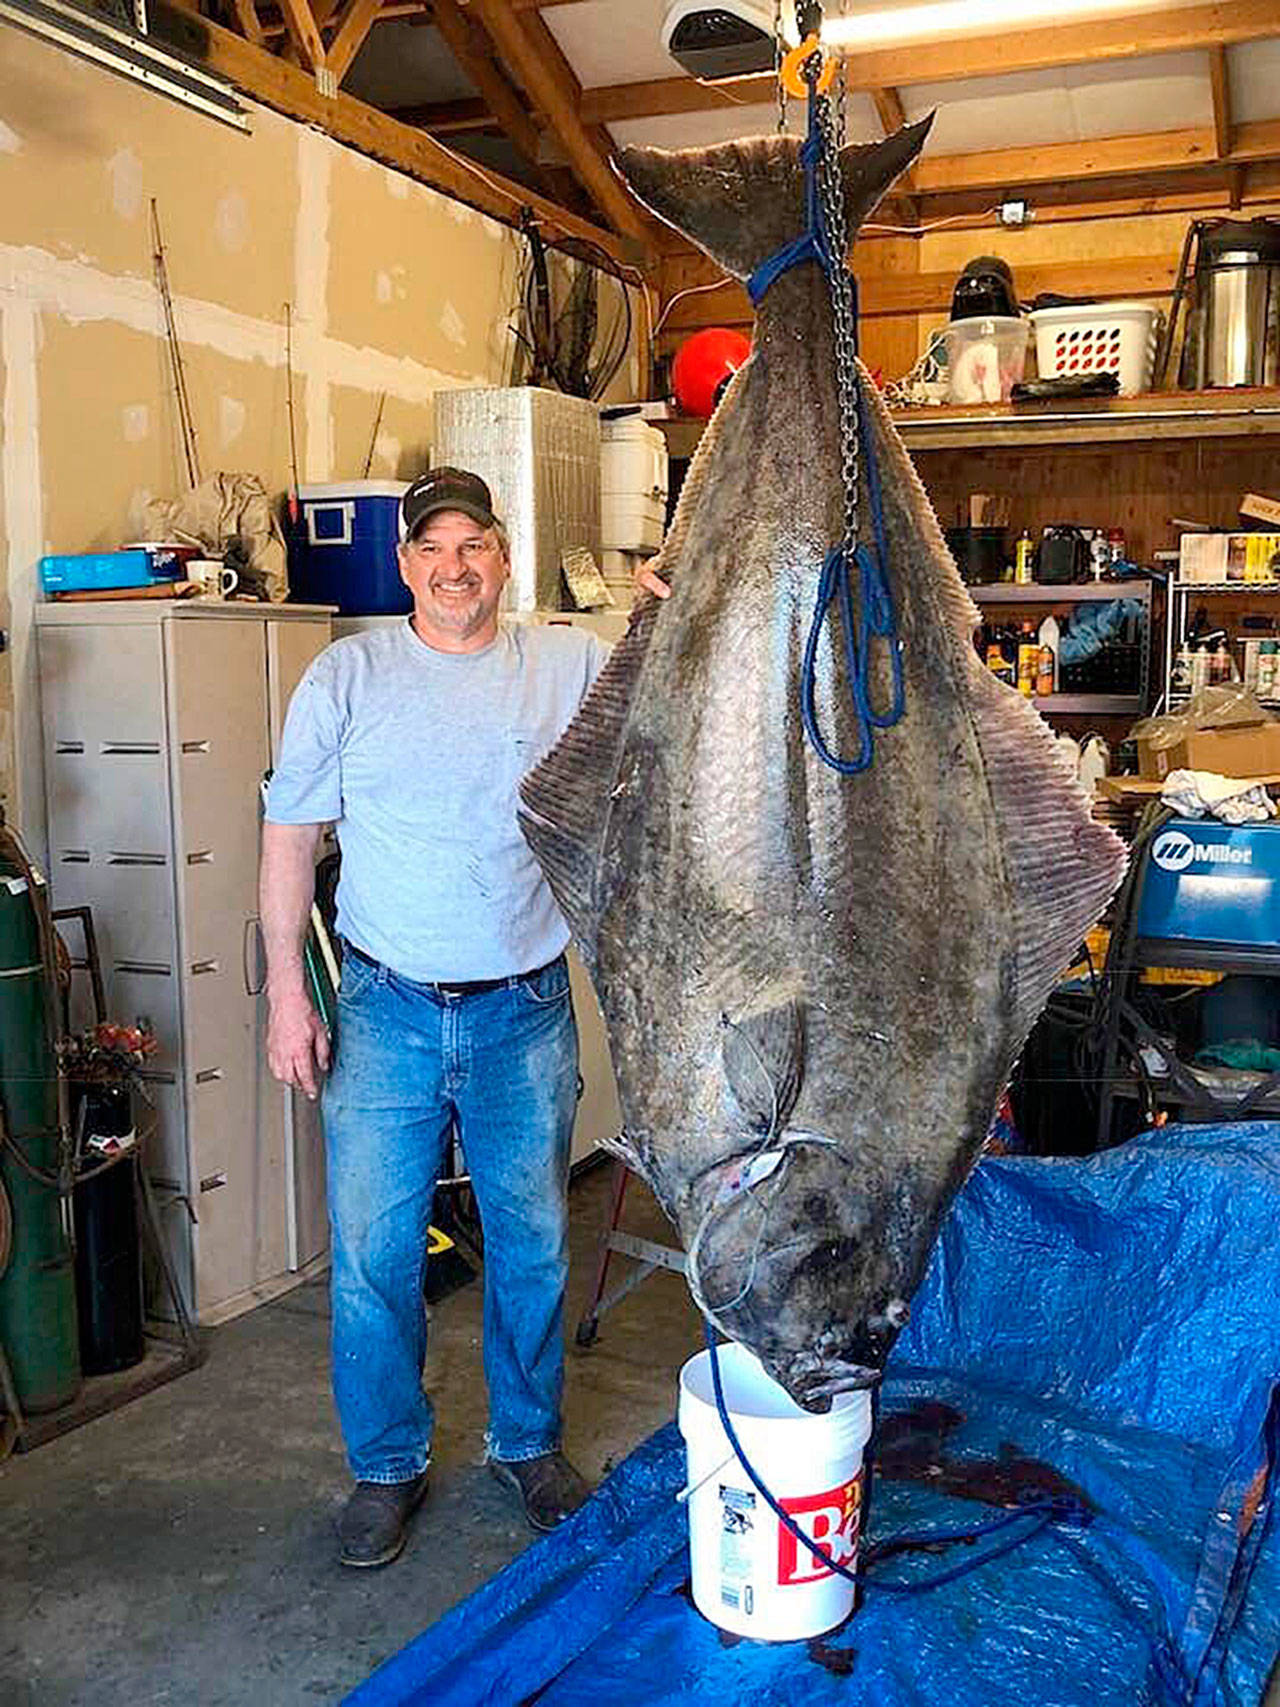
(160, 718)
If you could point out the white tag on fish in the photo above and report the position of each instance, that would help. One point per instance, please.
(748, 1173)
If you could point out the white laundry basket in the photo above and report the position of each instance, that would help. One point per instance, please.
(1102, 337)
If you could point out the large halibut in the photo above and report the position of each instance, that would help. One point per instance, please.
(816, 985)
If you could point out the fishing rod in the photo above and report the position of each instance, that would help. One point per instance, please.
(186, 420)
(373, 439)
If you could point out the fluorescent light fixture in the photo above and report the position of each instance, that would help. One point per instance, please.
(129, 54)
(937, 18)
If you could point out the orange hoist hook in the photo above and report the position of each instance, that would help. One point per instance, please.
(790, 72)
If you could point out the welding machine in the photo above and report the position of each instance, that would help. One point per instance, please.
(1211, 895)
(1203, 895)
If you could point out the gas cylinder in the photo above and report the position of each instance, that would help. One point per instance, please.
(37, 1285)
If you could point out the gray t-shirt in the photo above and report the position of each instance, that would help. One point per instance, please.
(415, 756)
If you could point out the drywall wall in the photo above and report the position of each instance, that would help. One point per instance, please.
(394, 292)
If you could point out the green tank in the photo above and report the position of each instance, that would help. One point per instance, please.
(37, 1283)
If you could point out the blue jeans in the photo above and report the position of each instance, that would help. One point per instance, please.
(410, 1062)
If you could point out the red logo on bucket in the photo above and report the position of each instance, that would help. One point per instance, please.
(831, 1520)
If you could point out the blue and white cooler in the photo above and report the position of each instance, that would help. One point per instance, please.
(342, 549)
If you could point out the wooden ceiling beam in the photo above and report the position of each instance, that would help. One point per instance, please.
(992, 54)
(460, 33)
(289, 90)
(446, 118)
(1220, 82)
(543, 81)
(353, 24)
(888, 293)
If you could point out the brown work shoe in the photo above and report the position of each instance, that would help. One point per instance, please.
(374, 1520)
(549, 1487)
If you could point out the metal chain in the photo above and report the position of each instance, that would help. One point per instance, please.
(842, 81)
(779, 54)
(831, 189)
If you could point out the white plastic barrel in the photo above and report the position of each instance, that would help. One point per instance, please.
(750, 1576)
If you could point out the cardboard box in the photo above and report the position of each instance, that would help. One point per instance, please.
(1216, 557)
(1240, 750)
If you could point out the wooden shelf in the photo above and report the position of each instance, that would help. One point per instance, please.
(1090, 704)
(1244, 413)
(1063, 593)
(1225, 414)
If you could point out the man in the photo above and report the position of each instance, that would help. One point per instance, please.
(454, 1003)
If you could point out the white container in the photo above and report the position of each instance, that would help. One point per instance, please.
(633, 485)
(986, 356)
(1103, 337)
(750, 1576)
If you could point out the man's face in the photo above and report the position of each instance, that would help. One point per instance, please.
(456, 571)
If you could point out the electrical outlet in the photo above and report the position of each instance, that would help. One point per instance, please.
(1014, 213)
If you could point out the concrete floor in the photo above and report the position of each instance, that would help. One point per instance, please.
(181, 1550)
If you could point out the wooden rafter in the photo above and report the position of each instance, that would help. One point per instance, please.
(250, 23)
(993, 54)
(499, 97)
(288, 89)
(303, 34)
(543, 79)
(1219, 79)
(354, 22)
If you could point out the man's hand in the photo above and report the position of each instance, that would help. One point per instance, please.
(651, 583)
(297, 1042)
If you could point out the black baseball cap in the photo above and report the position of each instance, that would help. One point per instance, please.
(446, 489)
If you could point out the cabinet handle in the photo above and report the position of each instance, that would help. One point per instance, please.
(68, 749)
(203, 857)
(213, 1182)
(199, 967)
(75, 856)
(131, 749)
(144, 968)
(136, 859)
(208, 1075)
(255, 982)
(195, 746)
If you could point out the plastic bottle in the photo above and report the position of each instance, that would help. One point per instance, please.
(1024, 559)
(1028, 659)
(1199, 669)
(1268, 686)
(1182, 676)
(1048, 665)
(1220, 663)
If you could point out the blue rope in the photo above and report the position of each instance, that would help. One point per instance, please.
(1059, 1509)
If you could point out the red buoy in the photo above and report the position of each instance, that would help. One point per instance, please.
(704, 365)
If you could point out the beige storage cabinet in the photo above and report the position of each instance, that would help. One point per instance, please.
(160, 720)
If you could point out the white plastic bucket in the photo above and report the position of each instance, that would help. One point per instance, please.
(751, 1576)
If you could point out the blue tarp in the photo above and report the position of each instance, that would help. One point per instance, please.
(1114, 1321)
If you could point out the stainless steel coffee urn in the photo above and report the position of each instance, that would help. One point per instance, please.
(1233, 328)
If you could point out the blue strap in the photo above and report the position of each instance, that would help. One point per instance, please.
(1056, 1509)
(811, 245)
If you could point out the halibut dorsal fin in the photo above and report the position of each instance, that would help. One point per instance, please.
(564, 799)
(564, 812)
(1062, 865)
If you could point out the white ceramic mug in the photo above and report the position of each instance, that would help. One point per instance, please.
(213, 577)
